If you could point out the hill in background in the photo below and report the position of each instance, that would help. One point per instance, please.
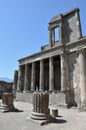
(6, 79)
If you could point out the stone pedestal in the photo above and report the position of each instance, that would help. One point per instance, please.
(40, 106)
(54, 112)
(7, 102)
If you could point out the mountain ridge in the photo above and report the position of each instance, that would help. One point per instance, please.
(6, 79)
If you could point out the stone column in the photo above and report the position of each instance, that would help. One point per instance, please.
(50, 37)
(67, 82)
(41, 75)
(33, 77)
(7, 104)
(63, 73)
(15, 82)
(53, 37)
(26, 78)
(60, 32)
(19, 84)
(82, 65)
(51, 74)
(41, 109)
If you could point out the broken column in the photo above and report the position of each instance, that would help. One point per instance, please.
(7, 102)
(40, 106)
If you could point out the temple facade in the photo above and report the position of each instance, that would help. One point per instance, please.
(60, 66)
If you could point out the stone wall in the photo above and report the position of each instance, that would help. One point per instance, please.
(74, 76)
(55, 98)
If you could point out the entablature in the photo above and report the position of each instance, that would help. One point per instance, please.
(42, 55)
(75, 46)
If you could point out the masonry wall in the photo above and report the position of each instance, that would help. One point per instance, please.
(74, 76)
(71, 27)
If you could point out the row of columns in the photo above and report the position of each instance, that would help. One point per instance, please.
(64, 76)
(41, 79)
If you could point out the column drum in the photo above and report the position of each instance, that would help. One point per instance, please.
(40, 105)
(7, 101)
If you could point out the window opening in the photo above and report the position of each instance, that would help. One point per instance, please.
(56, 34)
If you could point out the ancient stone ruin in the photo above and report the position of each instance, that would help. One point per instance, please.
(60, 66)
(7, 103)
(40, 106)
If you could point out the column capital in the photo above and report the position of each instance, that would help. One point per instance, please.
(51, 57)
(33, 62)
(41, 60)
(83, 50)
(26, 64)
(62, 54)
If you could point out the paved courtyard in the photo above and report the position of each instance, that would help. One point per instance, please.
(68, 119)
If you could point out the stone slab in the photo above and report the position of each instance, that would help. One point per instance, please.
(40, 122)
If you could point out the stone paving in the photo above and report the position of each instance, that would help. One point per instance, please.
(68, 119)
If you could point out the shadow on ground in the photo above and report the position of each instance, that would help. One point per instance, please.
(57, 120)
(15, 110)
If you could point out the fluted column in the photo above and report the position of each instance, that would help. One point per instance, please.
(63, 73)
(33, 77)
(41, 75)
(51, 74)
(26, 78)
(82, 65)
(15, 82)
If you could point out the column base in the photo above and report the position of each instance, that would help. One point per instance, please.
(41, 90)
(26, 91)
(35, 117)
(83, 106)
(63, 90)
(50, 90)
(32, 90)
(39, 116)
(6, 108)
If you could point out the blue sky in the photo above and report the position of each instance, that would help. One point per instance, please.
(24, 28)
